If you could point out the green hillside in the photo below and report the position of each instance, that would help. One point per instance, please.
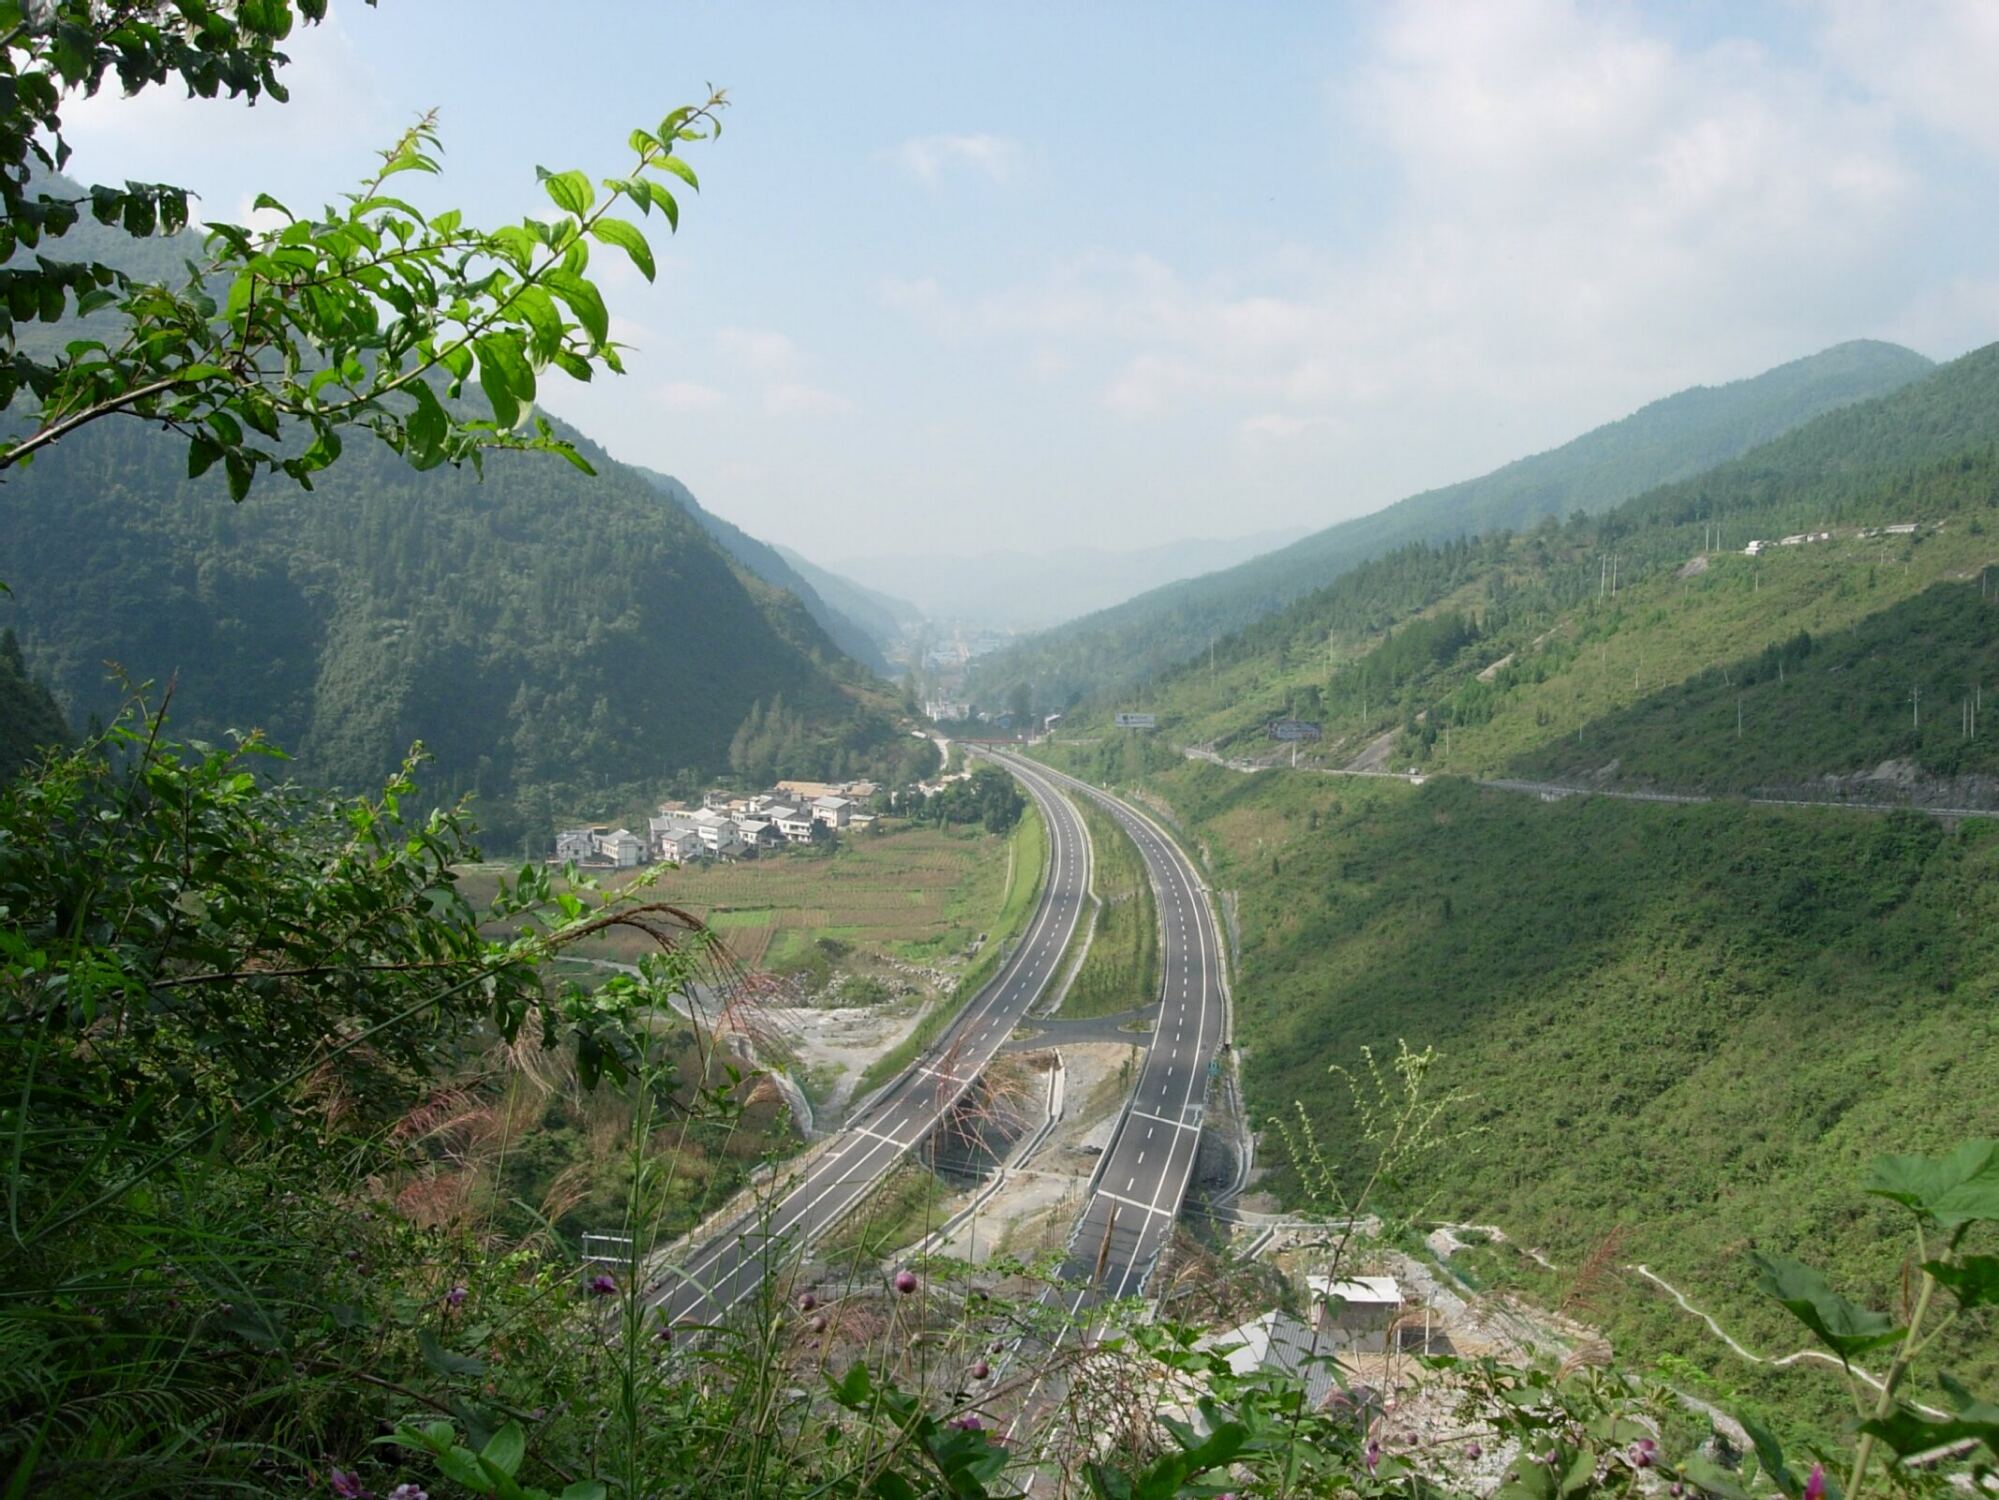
(885, 618)
(1686, 1026)
(553, 639)
(1512, 654)
(30, 719)
(769, 564)
(1670, 439)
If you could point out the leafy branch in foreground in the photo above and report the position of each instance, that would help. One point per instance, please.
(355, 317)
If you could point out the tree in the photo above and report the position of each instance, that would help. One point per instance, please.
(372, 316)
(1020, 703)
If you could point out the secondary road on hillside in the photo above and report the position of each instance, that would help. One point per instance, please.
(1552, 791)
(727, 1268)
(1144, 1173)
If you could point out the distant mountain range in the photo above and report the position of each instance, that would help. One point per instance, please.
(1022, 590)
(1670, 439)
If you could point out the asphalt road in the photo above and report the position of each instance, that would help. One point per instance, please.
(731, 1266)
(1144, 1172)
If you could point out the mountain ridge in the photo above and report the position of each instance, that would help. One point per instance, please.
(1672, 438)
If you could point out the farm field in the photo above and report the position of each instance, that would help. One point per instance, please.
(920, 895)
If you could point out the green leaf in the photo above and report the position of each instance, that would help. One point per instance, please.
(585, 1489)
(628, 239)
(1710, 1476)
(201, 455)
(442, 1361)
(1974, 1280)
(427, 424)
(461, 1466)
(1841, 1326)
(1951, 1191)
(570, 191)
(504, 1451)
(538, 310)
(239, 472)
(1906, 1432)
(1770, 1454)
(583, 300)
(681, 170)
(505, 376)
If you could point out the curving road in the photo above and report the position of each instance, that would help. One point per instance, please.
(731, 1266)
(1143, 1175)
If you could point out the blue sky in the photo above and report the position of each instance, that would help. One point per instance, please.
(972, 276)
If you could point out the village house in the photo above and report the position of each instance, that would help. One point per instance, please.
(795, 824)
(578, 845)
(623, 849)
(677, 844)
(757, 833)
(832, 811)
(805, 792)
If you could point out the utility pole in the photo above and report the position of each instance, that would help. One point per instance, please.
(1738, 716)
(1916, 706)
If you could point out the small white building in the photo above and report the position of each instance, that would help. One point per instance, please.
(794, 823)
(759, 833)
(834, 812)
(680, 845)
(861, 822)
(623, 848)
(574, 845)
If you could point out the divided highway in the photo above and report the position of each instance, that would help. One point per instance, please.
(731, 1266)
(1144, 1173)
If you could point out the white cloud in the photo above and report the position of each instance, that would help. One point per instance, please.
(1937, 62)
(929, 157)
(688, 395)
(784, 373)
(792, 398)
(760, 351)
(1574, 216)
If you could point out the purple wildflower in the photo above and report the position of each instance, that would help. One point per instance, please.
(665, 1333)
(1815, 1483)
(409, 1492)
(1644, 1453)
(1472, 1451)
(348, 1486)
(807, 1301)
(603, 1285)
(819, 1322)
(1373, 1454)
(905, 1282)
(968, 1423)
(981, 1370)
(455, 1297)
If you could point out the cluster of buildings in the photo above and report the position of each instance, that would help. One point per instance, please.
(725, 826)
(1903, 528)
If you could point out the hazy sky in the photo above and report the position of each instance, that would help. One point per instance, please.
(964, 275)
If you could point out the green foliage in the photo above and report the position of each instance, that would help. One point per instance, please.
(988, 797)
(1640, 997)
(559, 643)
(768, 563)
(1121, 970)
(289, 336)
(30, 719)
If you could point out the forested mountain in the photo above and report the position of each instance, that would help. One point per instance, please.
(553, 639)
(1625, 647)
(885, 617)
(30, 719)
(769, 564)
(1670, 439)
